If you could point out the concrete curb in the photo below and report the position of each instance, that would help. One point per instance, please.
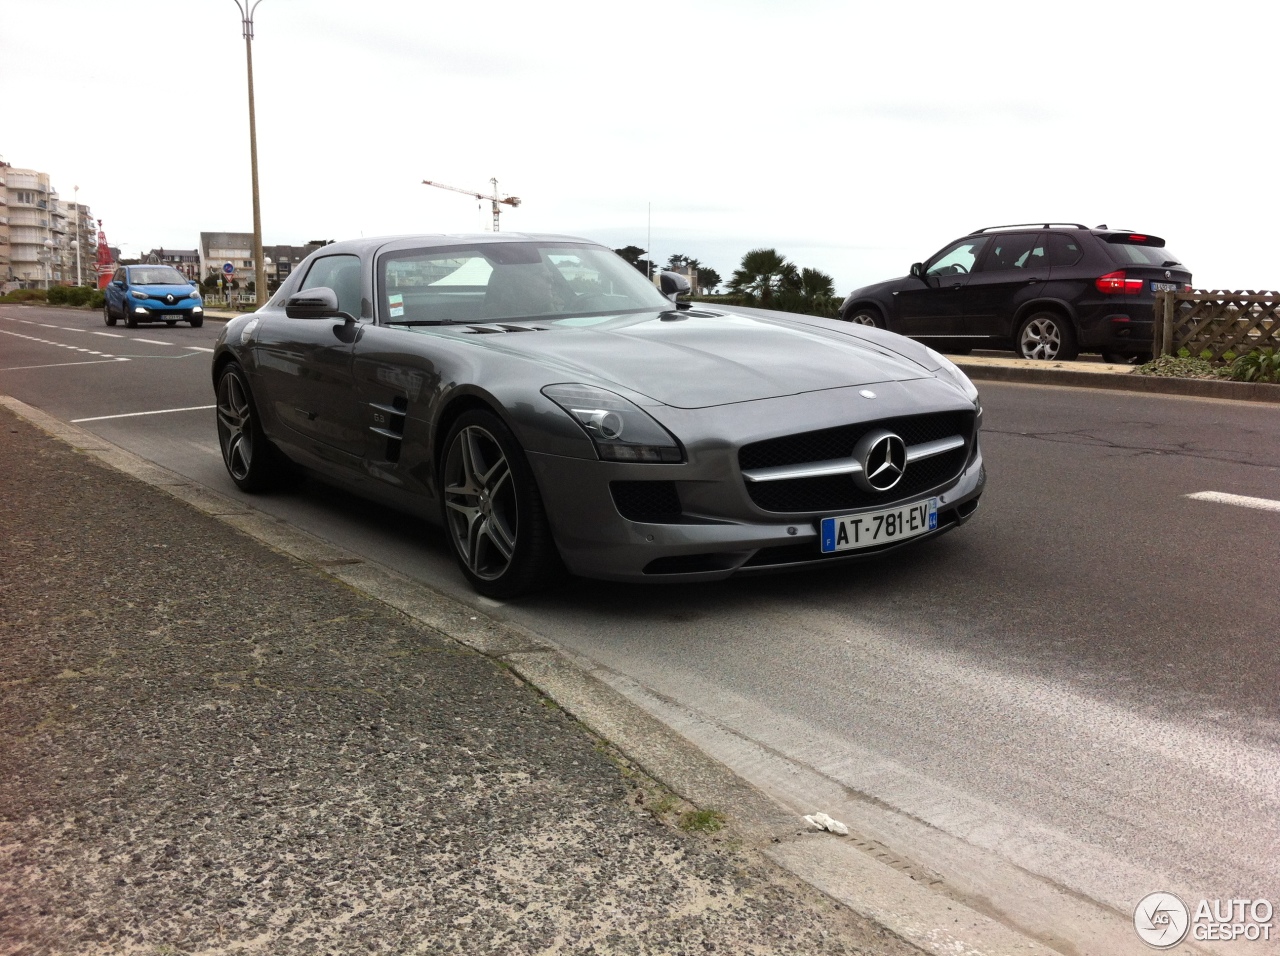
(932, 917)
(1063, 374)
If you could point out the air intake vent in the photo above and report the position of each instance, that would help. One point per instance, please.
(654, 502)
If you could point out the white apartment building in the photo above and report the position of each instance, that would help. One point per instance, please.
(38, 232)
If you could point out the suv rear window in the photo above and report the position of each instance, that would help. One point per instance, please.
(1135, 255)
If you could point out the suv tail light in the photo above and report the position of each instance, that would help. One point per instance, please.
(1116, 283)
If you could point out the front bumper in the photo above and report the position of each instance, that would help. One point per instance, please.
(717, 529)
(152, 310)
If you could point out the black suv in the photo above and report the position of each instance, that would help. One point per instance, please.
(1046, 290)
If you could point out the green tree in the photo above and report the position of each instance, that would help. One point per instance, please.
(708, 279)
(816, 284)
(761, 275)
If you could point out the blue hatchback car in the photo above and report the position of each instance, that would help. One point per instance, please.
(152, 294)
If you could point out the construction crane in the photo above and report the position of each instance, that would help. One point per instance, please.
(512, 201)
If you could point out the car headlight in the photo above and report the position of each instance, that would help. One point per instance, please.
(952, 371)
(620, 430)
(137, 295)
(195, 295)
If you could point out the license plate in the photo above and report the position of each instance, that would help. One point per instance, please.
(1164, 287)
(878, 527)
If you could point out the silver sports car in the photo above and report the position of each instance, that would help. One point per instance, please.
(553, 410)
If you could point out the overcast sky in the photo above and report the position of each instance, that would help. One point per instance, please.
(852, 137)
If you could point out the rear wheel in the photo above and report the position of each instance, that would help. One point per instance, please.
(107, 317)
(867, 317)
(494, 517)
(1047, 336)
(252, 461)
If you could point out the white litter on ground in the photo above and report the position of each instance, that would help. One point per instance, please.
(820, 821)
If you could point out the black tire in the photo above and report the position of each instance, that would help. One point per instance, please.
(171, 322)
(130, 320)
(107, 316)
(196, 321)
(253, 463)
(494, 518)
(866, 317)
(1046, 336)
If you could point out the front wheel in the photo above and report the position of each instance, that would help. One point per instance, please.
(130, 320)
(1047, 336)
(252, 461)
(494, 517)
(867, 317)
(196, 321)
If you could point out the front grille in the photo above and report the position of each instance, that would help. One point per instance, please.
(838, 492)
(651, 501)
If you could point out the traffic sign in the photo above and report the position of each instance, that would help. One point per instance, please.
(229, 268)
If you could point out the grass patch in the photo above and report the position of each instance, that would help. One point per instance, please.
(702, 821)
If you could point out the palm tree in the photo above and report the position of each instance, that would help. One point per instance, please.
(762, 273)
(816, 284)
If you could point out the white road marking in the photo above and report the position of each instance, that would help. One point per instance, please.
(152, 342)
(161, 411)
(110, 335)
(197, 348)
(45, 325)
(1240, 501)
(20, 368)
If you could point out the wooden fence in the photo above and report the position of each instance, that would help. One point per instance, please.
(1216, 322)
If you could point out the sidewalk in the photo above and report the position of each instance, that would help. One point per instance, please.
(207, 746)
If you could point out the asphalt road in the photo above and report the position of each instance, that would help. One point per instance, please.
(1080, 684)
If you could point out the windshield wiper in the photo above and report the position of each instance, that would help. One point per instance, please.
(421, 322)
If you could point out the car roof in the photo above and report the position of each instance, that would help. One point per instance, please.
(371, 244)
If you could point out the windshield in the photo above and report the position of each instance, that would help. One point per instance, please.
(157, 275)
(510, 280)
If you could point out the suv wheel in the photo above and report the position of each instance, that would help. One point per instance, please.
(107, 316)
(867, 317)
(1047, 336)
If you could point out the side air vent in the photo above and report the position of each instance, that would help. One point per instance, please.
(388, 422)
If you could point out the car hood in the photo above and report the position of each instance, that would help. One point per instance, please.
(696, 359)
(160, 291)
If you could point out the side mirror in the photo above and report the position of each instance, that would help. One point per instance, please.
(917, 269)
(673, 284)
(118, 283)
(318, 303)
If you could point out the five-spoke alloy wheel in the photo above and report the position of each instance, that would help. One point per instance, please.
(251, 460)
(493, 514)
(1047, 336)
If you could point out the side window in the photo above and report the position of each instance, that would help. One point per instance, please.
(1063, 250)
(119, 276)
(957, 259)
(1012, 251)
(342, 275)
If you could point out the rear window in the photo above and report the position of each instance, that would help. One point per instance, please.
(1134, 254)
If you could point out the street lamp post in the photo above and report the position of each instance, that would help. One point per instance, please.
(48, 264)
(246, 20)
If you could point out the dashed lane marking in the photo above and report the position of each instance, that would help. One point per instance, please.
(20, 368)
(110, 335)
(1240, 501)
(151, 341)
(197, 348)
(161, 411)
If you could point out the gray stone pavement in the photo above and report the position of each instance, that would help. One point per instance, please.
(209, 746)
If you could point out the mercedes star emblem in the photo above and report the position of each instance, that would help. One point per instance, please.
(883, 457)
